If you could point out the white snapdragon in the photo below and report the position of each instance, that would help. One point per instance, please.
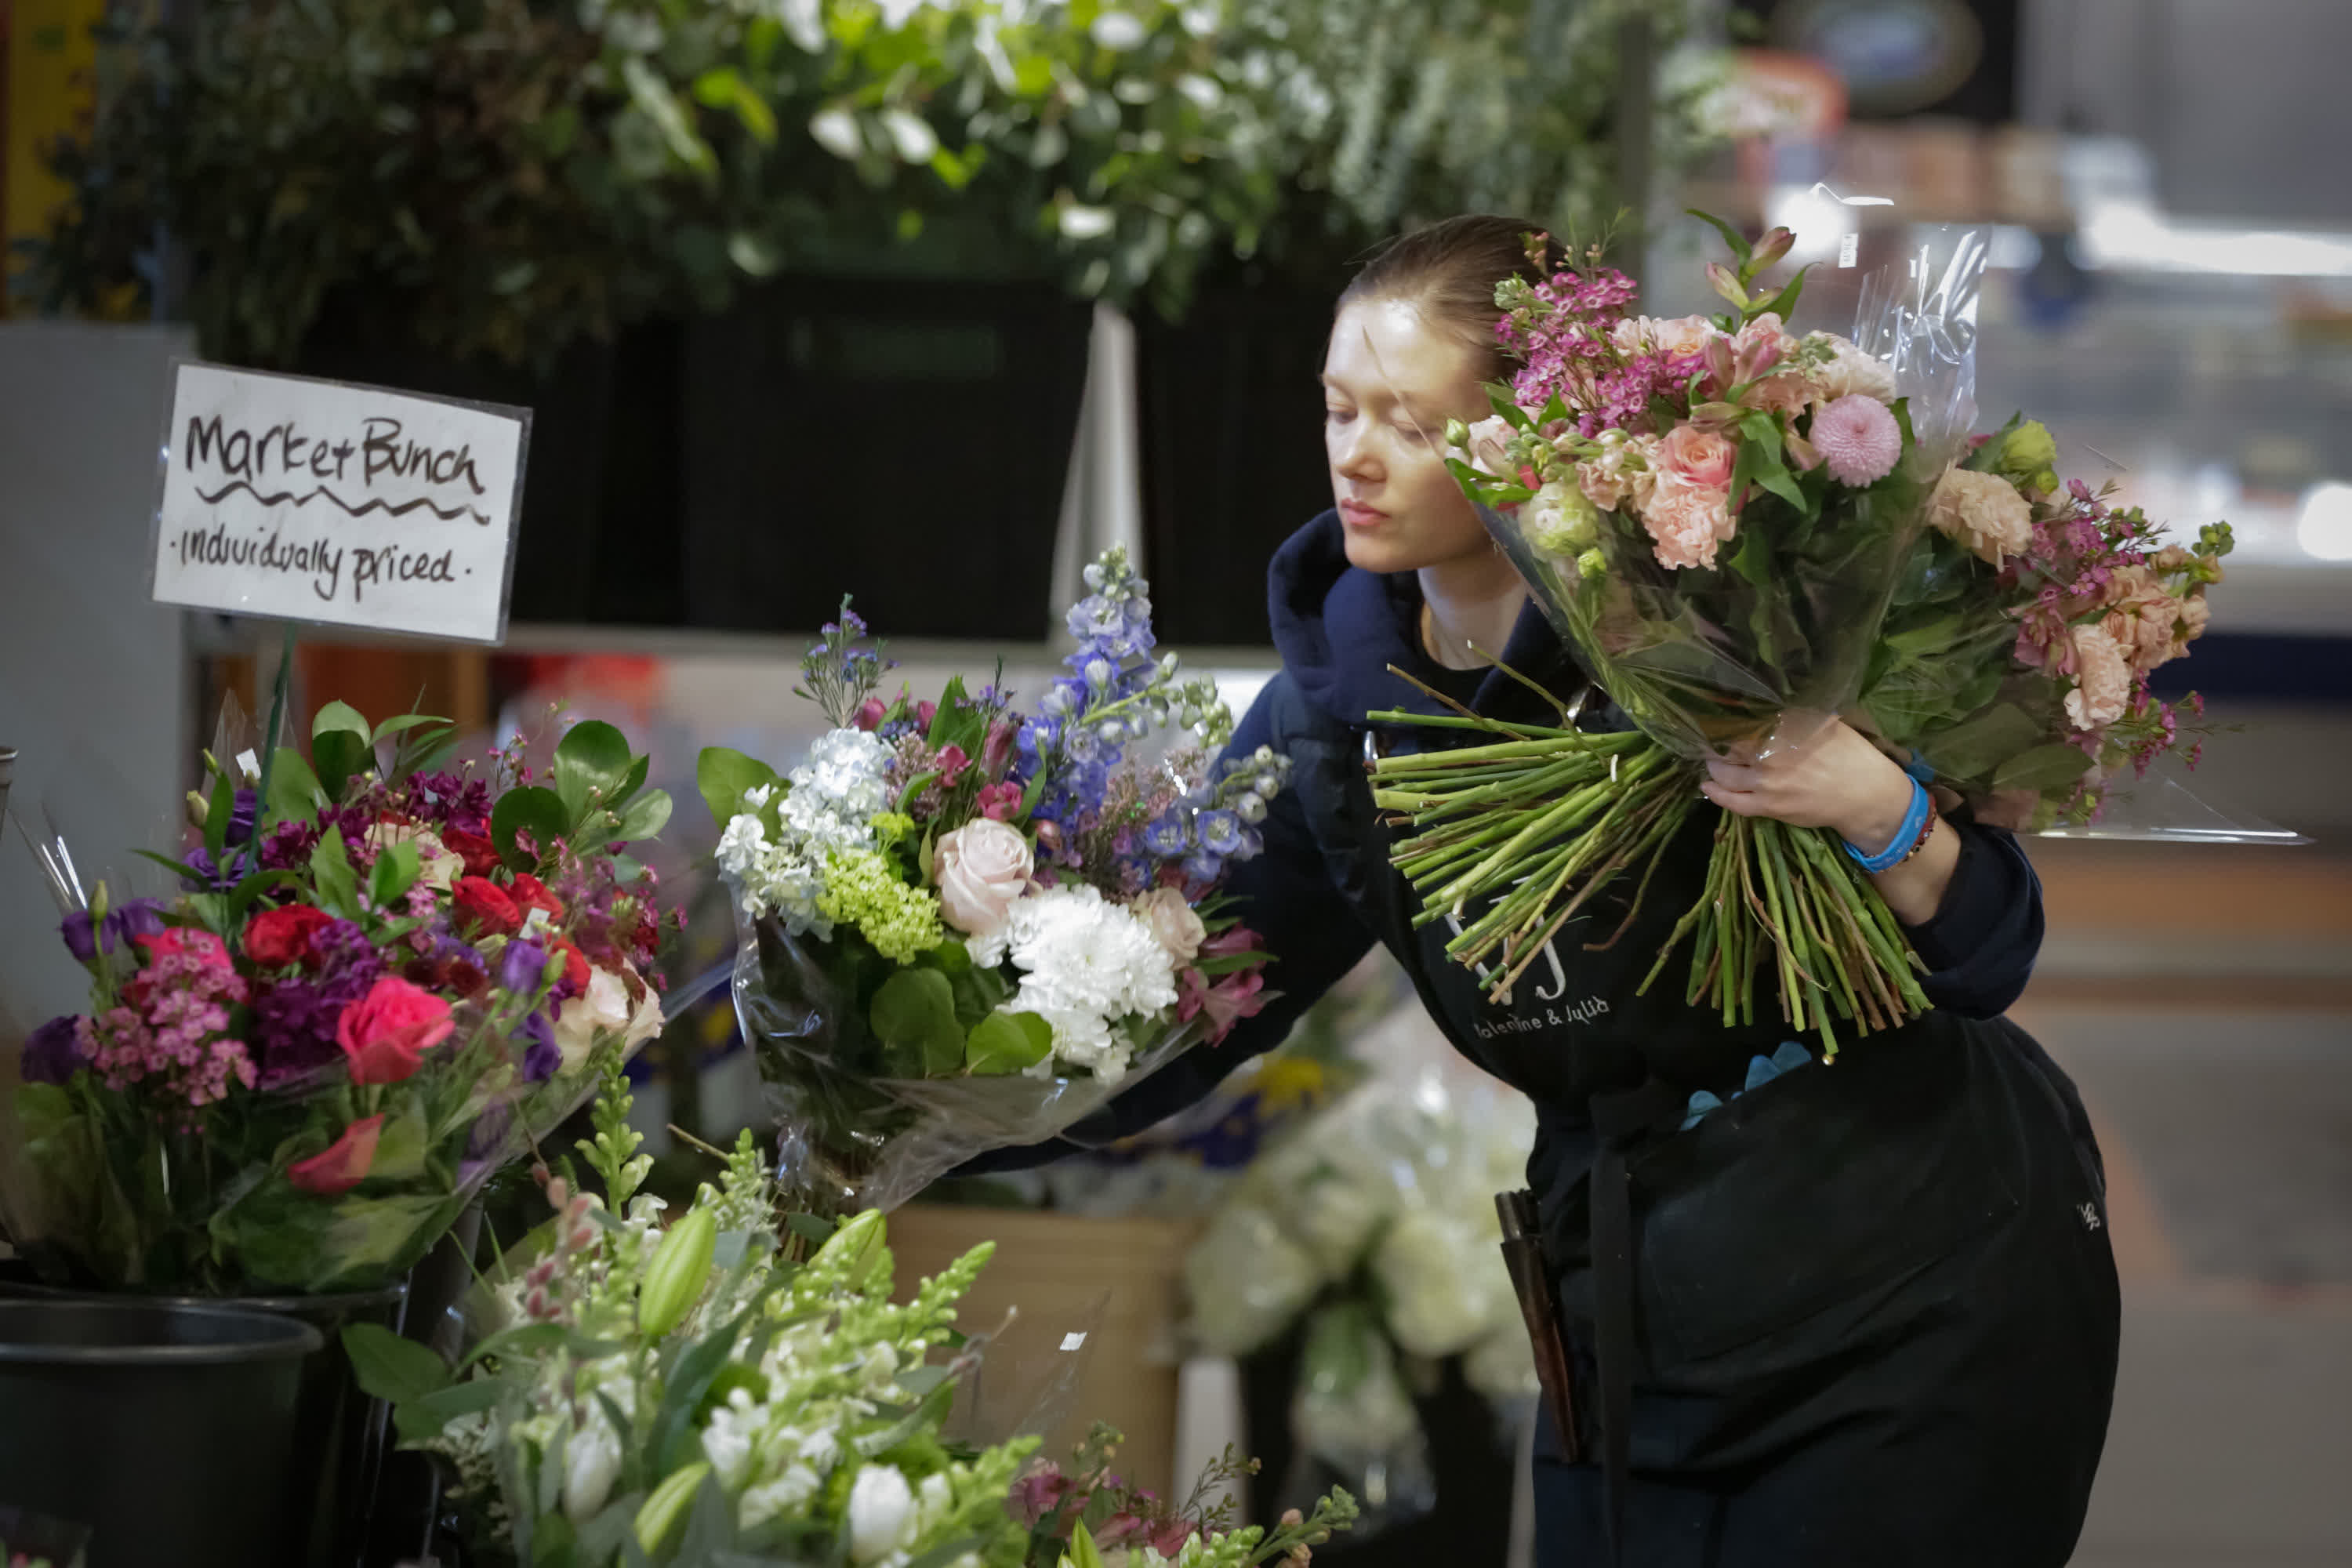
(1087, 964)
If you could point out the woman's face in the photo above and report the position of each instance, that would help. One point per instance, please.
(1390, 381)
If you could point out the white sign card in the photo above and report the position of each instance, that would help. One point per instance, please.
(300, 500)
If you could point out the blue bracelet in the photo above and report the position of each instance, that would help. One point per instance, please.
(1914, 820)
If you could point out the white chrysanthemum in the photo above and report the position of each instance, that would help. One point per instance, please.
(1086, 963)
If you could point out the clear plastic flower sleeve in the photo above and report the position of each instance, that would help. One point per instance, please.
(848, 1138)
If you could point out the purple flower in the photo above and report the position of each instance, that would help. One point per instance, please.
(210, 876)
(1221, 831)
(484, 1143)
(540, 1061)
(1168, 836)
(53, 1051)
(522, 967)
(1203, 866)
(294, 1020)
(86, 938)
(246, 807)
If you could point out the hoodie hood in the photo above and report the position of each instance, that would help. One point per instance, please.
(1339, 628)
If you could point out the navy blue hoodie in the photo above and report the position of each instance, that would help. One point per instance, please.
(1321, 894)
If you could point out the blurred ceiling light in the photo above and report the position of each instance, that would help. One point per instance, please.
(1819, 219)
(2324, 527)
(2128, 234)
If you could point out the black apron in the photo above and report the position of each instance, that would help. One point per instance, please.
(1733, 1272)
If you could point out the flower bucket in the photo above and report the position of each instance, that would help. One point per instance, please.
(342, 1435)
(168, 1429)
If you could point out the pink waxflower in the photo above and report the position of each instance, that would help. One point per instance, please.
(1858, 440)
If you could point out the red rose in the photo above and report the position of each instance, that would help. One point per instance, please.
(385, 1033)
(342, 1164)
(529, 893)
(480, 856)
(575, 965)
(276, 938)
(484, 906)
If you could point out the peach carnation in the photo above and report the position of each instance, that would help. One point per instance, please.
(1687, 521)
(2102, 680)
(1983, 511)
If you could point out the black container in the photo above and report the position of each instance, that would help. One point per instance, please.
(169, 1430)
(342, 1435)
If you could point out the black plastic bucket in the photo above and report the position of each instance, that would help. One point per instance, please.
(168, 1429)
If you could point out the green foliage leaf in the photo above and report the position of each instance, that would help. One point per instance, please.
(725, 776)
(913, 1014)
(335, 756)
(1976, 748)
(342, 716)
(294, 791)
(420, 1420)
(403, 722)
(331, 871)
(645, 817)
(592, 762)
(1784, 303)
(389, 1367)
(395, 871)
(530, 809)
(654, 98)
(1731, 237)
(1005, 1043)
(2043, 768)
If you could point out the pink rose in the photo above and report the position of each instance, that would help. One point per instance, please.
(385, 1033)
(1700, 458)
(1684, 337)
(980, 868)
(342, 1164)
(1686, 522)
(869, 714)
(2102, 680)
(1173, 921)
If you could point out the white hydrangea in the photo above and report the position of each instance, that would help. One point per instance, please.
(1087, 964)
(844, 775)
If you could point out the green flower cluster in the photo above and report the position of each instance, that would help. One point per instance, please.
(862, 890)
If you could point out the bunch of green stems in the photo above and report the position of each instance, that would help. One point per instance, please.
(1530, 827)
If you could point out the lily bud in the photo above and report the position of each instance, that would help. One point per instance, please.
(1771, 247)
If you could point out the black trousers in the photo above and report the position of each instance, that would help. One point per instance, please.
(1947, 1411)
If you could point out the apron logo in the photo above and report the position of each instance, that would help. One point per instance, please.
(1551, 992)
(2090, 1213)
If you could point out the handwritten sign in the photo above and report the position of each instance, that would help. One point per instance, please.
(317, 500)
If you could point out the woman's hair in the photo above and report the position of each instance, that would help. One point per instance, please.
(1450, 268)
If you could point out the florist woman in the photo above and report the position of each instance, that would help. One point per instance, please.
(1873, 1308)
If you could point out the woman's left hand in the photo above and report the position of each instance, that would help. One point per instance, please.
(1836, 780)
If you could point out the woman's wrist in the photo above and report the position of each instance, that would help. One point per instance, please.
(1872, 829)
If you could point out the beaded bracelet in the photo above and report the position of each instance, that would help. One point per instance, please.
(1917, 819)
(1926, 833)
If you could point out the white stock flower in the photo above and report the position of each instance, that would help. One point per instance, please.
(1086, 964)
(1446, 1289)
(591, 1458)
(785, 1494)
(881, 1513)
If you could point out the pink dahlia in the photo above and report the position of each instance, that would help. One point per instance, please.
(1858, 438)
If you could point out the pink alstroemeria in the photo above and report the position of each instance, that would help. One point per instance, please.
(1236, 996)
